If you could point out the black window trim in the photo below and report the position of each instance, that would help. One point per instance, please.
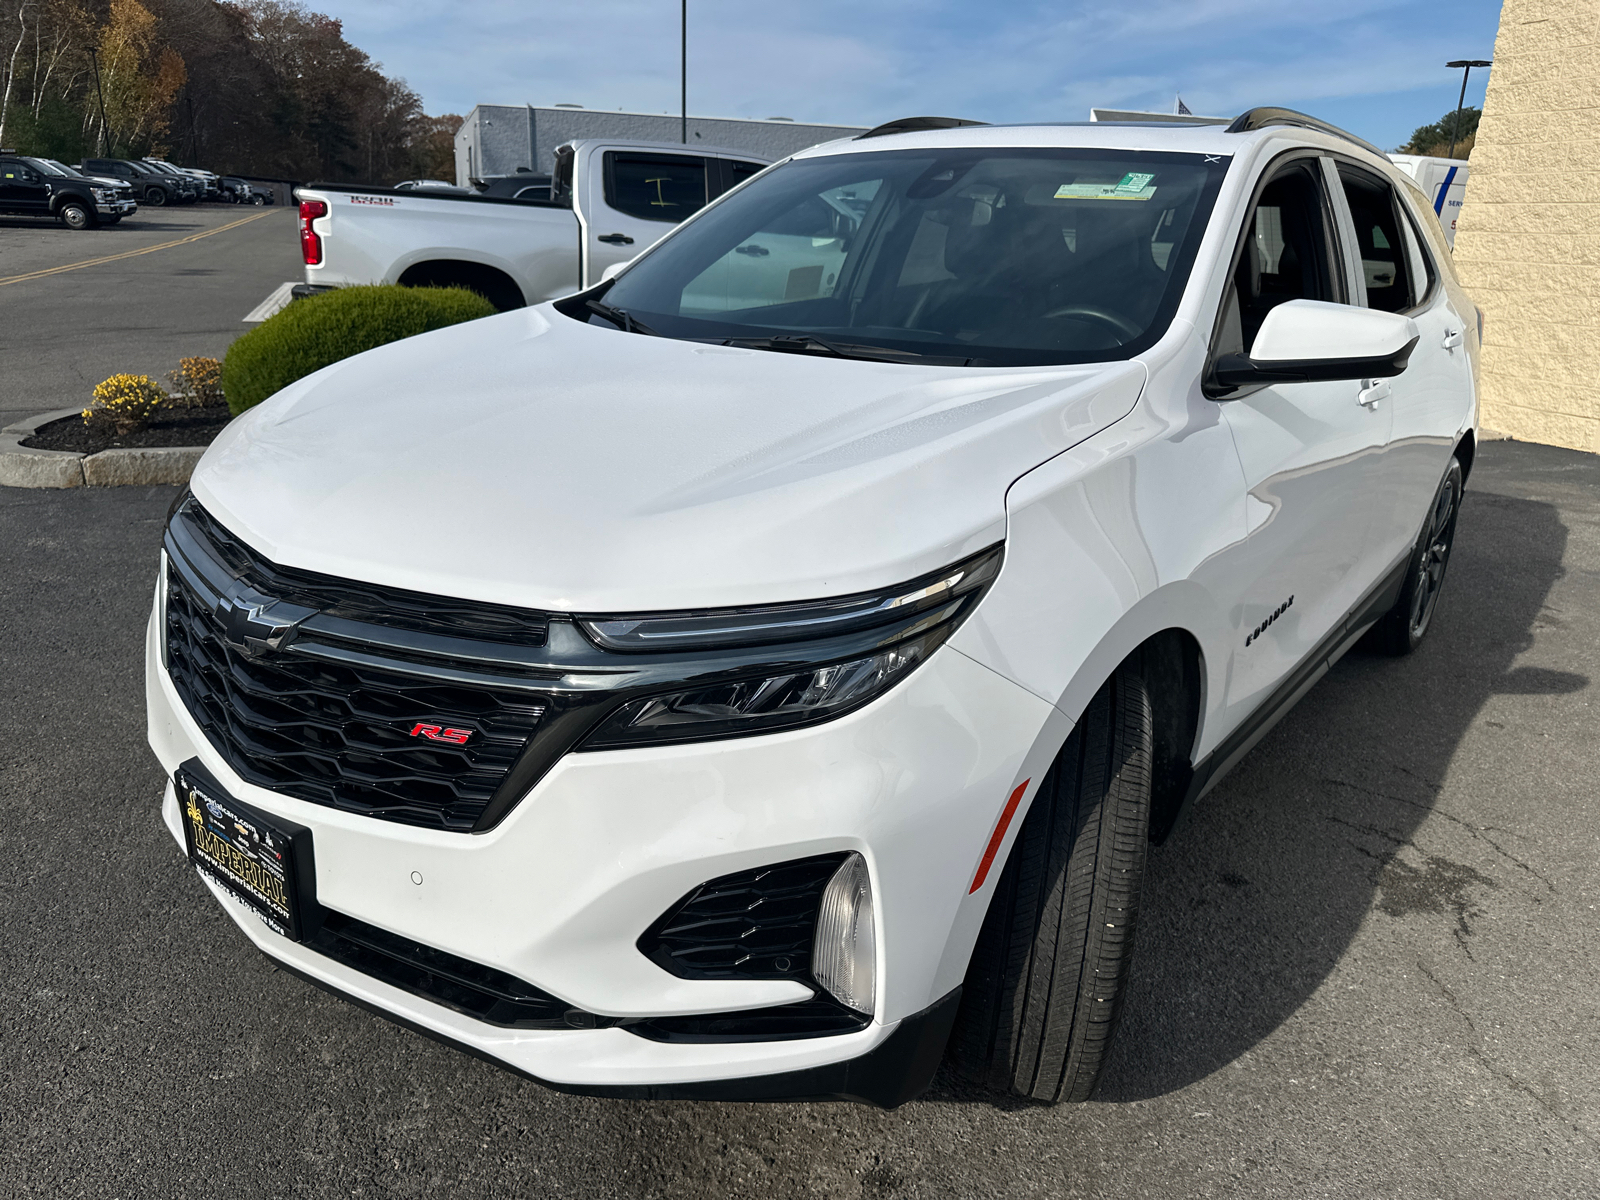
(609, 187)
(1338, 272)
(726, 180)
(1403, 216)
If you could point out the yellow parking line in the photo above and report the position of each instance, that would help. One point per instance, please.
(95, 262)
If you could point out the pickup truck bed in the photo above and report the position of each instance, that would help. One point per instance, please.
(615, 200)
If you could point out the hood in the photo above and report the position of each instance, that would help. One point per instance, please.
(534, 460)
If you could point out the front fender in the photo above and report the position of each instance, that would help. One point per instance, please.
(1109, 544)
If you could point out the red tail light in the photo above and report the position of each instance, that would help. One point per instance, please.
(310, 243)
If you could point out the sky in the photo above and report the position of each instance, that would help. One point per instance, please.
(1375, 68)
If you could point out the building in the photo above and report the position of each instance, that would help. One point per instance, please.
(1528, 244)
(498, 139)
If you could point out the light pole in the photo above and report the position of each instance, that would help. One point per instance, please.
(1466, 65)
(683, 72)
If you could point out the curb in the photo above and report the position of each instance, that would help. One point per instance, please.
(23, 466)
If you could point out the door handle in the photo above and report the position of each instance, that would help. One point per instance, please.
(1372, 390)
(616, 239)
(1452, 338)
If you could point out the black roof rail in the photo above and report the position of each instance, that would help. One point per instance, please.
(915, 125)
(1261, 118)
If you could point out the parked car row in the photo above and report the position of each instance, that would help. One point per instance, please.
(101, 191)
(44, 187)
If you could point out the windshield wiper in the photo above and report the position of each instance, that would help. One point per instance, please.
(620, 319)
(806, 343)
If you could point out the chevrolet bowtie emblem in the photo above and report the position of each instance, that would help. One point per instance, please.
(257, 624)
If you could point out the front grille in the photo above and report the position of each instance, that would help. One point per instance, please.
(333, 719)
(481, 992)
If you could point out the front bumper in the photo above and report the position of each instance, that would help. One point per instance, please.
(558, 893)
(117, 208)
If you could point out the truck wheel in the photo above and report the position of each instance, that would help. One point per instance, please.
(1402, 628)
(1047, 978)
(155, 198)
(75, 215)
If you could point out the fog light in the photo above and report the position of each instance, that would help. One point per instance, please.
(844, 952)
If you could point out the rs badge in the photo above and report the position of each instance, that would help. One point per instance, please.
(437, 733)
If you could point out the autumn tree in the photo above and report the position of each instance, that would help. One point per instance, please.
(139, 77)
(255, 87)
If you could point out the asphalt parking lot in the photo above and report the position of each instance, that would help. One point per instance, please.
(164, 284)
(1371, 964)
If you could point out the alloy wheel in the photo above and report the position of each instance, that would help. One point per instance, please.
(1435, 557)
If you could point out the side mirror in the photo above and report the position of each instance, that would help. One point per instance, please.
(1311, 341)
(614, 270)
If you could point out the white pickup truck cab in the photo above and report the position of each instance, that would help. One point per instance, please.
(763, 672)
(610, 200)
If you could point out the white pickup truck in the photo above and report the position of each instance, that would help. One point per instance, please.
(610, 200)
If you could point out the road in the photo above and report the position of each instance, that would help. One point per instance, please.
(182, 287)
(1371, 965)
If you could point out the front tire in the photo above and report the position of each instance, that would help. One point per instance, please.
(155, 198)
(75, 216)
(1402, 628)
(1047, 979)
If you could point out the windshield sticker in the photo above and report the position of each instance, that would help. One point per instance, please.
(1135, 185)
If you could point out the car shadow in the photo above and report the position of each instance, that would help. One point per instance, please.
(1250, 906)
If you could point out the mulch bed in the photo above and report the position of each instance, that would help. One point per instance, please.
(173, 427)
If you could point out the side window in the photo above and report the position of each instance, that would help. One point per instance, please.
(655, 187)
(1285, 255)
(1384, 259)
(743, 170)
(1424, 274)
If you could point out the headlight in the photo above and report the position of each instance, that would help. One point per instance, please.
(103, 195)
(762, 705)
(835, 655)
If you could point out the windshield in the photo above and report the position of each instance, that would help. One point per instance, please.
(50, 166)
(993, 257)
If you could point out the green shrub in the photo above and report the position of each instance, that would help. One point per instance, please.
(311, 333)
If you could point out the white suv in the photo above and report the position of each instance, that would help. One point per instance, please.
(763, 673)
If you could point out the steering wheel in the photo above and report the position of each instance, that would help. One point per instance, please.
(1105, 316)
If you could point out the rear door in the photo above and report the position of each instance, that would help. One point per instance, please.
(1308, 450)
(632, 198)
(23, 189)
(1430, 399)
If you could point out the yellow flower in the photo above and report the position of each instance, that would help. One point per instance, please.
(125, 403)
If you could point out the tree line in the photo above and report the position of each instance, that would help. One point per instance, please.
(247, 87)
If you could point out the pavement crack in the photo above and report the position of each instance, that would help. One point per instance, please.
(1476, 831)
(1475, 1048)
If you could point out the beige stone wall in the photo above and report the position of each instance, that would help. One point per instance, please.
(1528, 238)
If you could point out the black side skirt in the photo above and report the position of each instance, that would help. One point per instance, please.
(899, 1069)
